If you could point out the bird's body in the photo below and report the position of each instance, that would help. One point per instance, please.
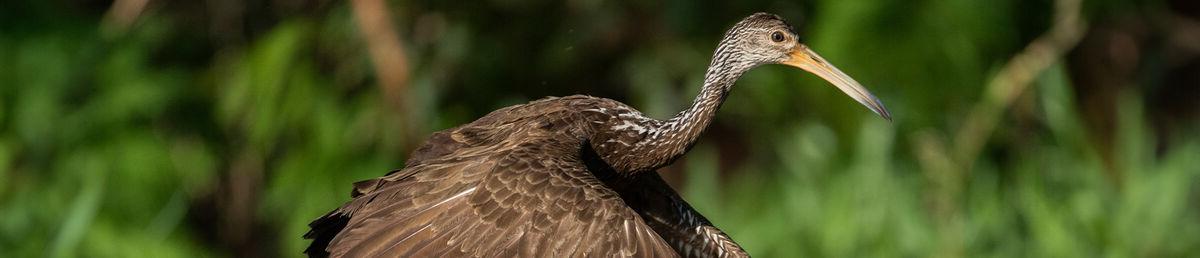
(521, 181)
(557, 177)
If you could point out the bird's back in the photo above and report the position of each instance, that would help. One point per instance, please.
(510, 124)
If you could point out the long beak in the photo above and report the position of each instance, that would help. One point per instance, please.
(804, 58)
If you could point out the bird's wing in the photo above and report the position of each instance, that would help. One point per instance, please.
(533, 199)
(667, 213)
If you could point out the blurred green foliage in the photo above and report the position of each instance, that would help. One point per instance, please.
(208, 130)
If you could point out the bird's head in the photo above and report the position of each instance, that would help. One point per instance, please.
(765, 38)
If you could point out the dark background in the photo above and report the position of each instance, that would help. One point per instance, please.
(1026, 128)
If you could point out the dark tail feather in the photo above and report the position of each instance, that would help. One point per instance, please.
(321, 231)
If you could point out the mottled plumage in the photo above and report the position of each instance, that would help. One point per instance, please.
(557, 177)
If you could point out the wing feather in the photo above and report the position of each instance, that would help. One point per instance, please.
(523, 200)
(511, 183)
(675, 220)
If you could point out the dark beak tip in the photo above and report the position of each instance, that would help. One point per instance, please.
(877, 107)
(884, 113)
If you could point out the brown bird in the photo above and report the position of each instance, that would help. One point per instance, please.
(561, 177)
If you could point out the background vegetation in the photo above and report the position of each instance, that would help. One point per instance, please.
(1025, 128)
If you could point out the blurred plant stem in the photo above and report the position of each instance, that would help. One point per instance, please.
(1015, 77)
(122, 14)
(83, 211)
(947, 169)
(391, 65)
(241, 201)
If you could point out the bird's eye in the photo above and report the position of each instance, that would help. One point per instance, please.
(777, 36)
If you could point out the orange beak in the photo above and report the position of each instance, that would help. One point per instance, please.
(804, 58)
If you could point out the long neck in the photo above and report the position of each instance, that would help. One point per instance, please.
(669, 139)
(686, 126)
